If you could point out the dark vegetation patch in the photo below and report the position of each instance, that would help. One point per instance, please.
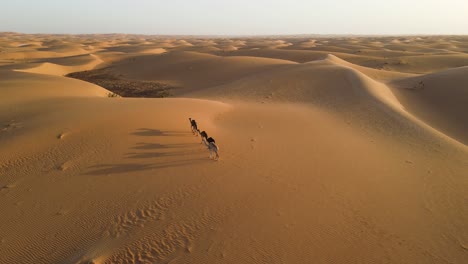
(124, 87)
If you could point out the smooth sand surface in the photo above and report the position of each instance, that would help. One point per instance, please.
(332, 150)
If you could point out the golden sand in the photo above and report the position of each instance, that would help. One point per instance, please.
(333, 150)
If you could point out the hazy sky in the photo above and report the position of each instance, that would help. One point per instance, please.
(238, 17)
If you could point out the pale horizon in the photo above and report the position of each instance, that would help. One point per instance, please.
(242, 18)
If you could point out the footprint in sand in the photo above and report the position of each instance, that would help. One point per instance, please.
(464, 246)
(253, 142)
(11, 126)
(64, 166)
(62, 135)
(7, 187)
(62, 212)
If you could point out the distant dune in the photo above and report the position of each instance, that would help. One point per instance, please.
(332, 149)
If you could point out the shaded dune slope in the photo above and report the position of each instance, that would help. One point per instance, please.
(440, 99)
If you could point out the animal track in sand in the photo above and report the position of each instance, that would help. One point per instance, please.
(165, 246)
(8, 186)
(62, 212)
(62, 135)
(122, 224)
(253, 142)
(143, 235)
(117, 234)
(464, 246)
(6, 189)
(64, 166)
(11, 126)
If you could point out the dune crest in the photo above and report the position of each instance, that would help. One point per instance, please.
(61, 70)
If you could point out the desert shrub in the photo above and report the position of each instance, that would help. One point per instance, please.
(119, 86)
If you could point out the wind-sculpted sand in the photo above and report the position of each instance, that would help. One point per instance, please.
(332, 149)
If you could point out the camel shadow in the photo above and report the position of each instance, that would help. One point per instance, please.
(147, 155)
(162, 155)
(106, 169)
(152, 146)
(149, 132)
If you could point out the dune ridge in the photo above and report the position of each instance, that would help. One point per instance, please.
(61, 70)
(274, 86)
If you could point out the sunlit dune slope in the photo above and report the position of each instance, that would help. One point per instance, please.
(19, 86)
(193, 70)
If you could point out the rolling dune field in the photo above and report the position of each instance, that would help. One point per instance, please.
(339, 149)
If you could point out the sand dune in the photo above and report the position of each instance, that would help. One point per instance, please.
(334, 85)
(326, 157)
(380, 68)
(440, 99)
(90, 63)
(136, 49)
(22, 87)
(321, 82)
(192, 69)
(428, 63)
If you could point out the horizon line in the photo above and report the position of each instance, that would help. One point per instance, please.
(241, 35)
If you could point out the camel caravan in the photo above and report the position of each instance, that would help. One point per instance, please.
(209, 142)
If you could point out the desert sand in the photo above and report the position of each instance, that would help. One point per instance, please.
(332, 149)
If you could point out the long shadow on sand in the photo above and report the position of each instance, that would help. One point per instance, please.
(149, 132)
(180, 154)
(105, 169)
(152, 146)
(147, 155)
